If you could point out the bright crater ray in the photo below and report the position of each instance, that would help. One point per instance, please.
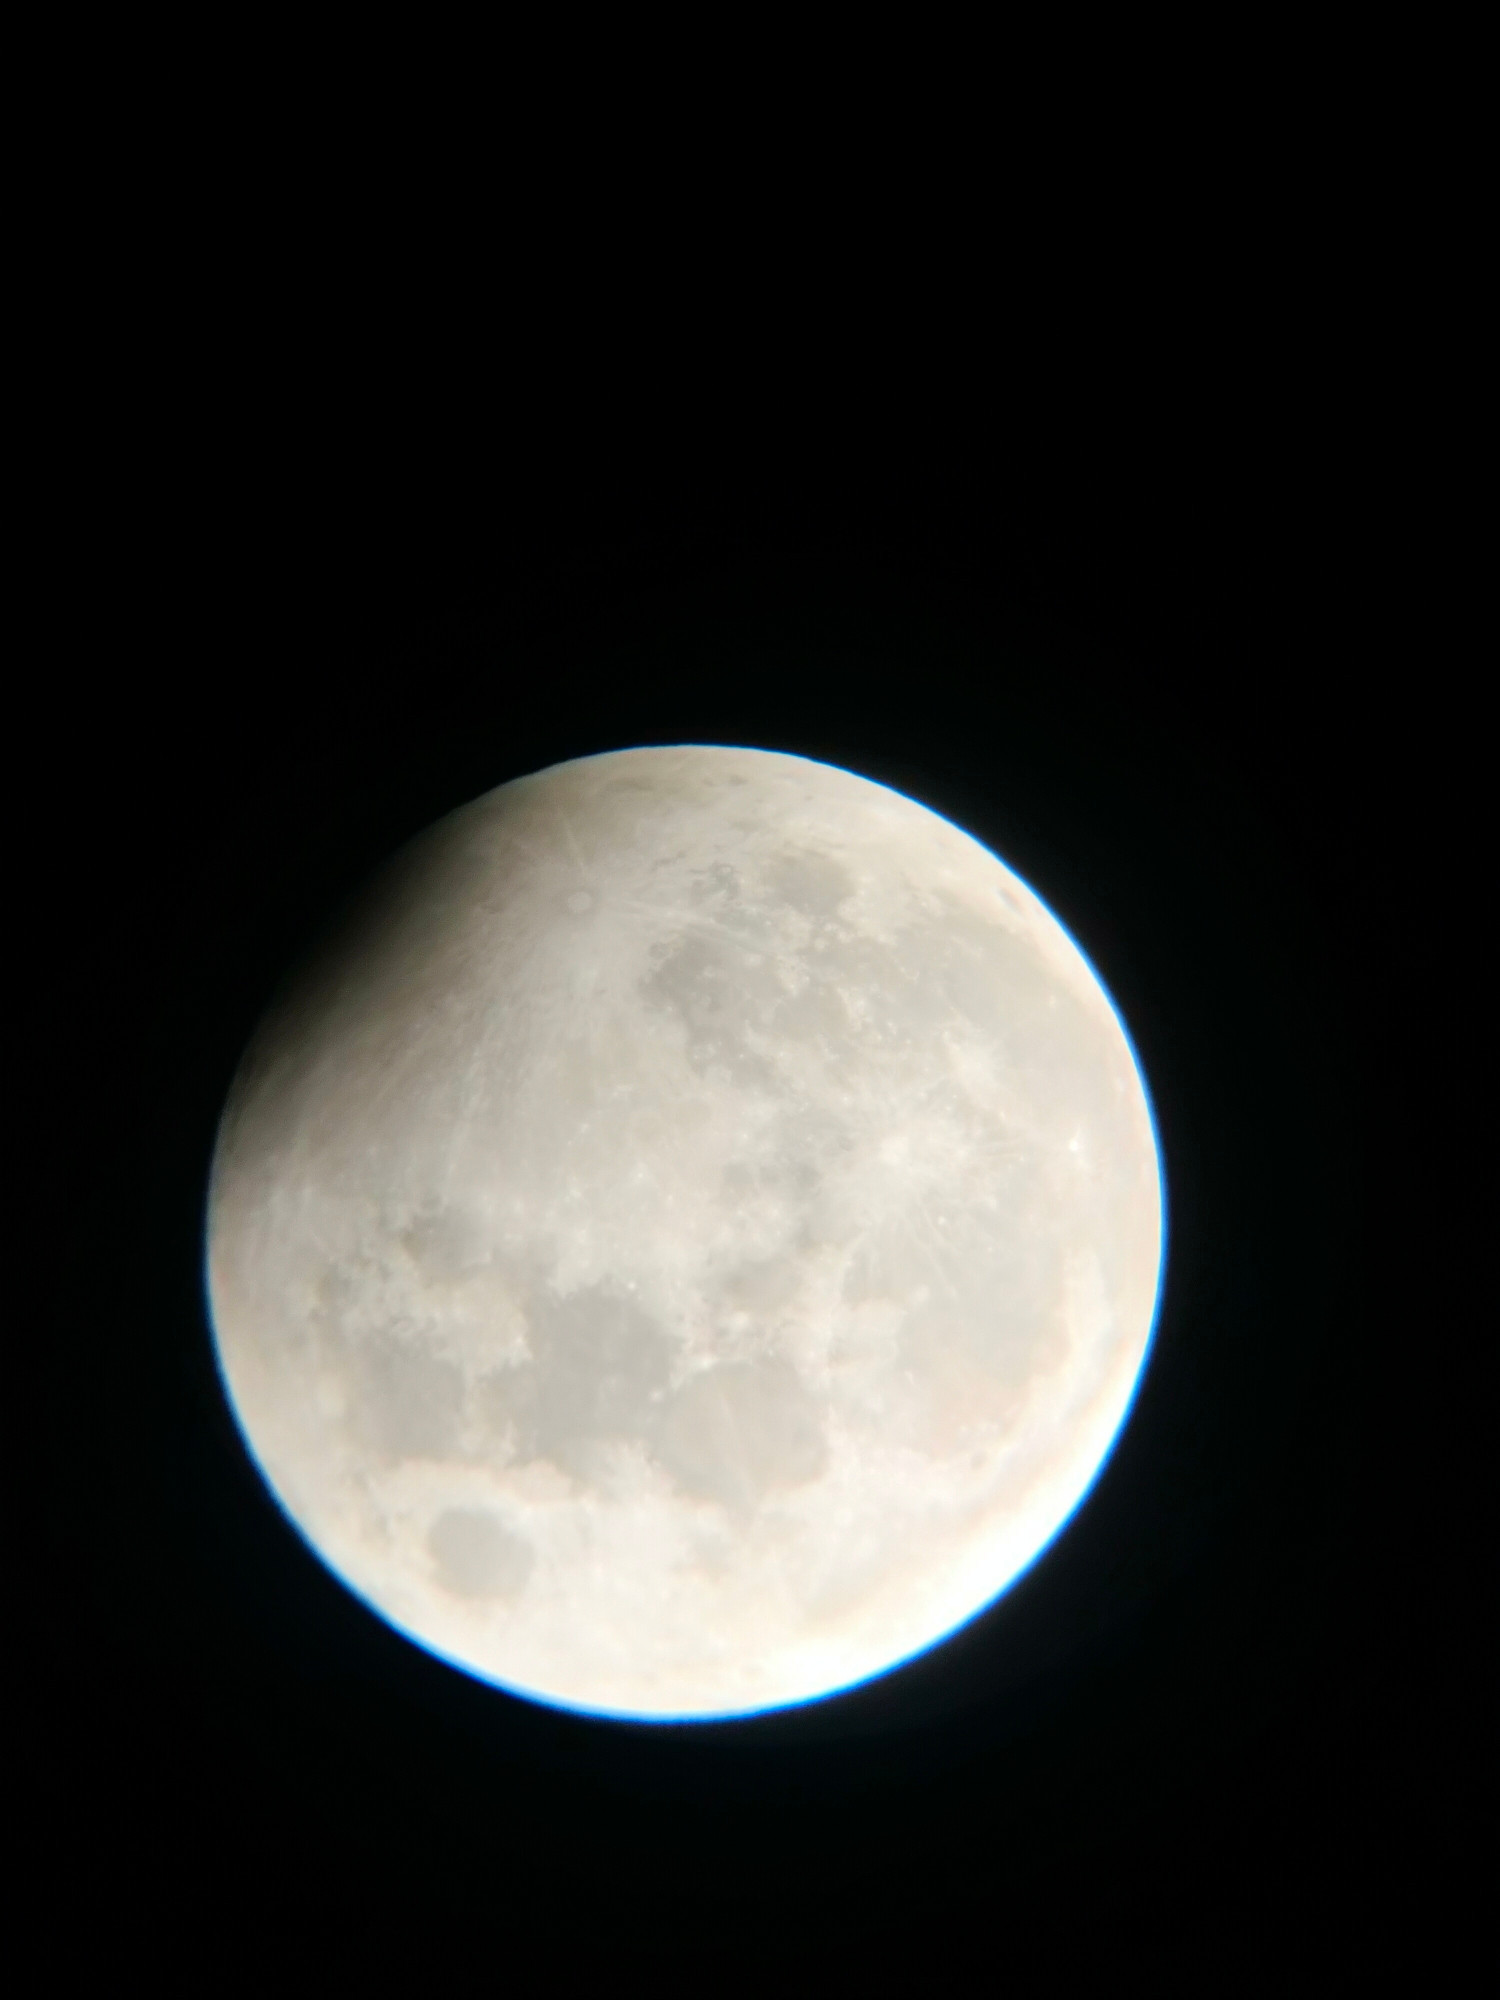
(691, 1237)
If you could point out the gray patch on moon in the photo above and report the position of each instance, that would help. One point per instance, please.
(762, 1286)
(478, 1556)
(719, 997)
(407, 1401)
(719, 884)
(445, 1241)
(600, 1366)
(735, 1432)
(813, 883)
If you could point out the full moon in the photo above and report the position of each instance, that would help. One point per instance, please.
(689, 1238)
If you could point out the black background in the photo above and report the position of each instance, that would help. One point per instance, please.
(1211, 1725)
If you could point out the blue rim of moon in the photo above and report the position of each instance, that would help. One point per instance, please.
(739, 1712)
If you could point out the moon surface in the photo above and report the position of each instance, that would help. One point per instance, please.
(690, 1237)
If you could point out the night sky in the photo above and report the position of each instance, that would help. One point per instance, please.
(1215, 1725)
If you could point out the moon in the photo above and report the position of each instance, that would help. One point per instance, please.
(690, 1238)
